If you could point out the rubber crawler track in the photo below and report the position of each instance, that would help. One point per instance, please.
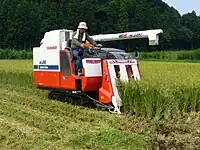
(79, 99)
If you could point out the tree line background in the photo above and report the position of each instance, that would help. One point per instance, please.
(24, 22)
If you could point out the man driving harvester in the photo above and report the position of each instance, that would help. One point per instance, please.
(78, 44)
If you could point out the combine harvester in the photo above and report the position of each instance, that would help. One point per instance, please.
(54, 68)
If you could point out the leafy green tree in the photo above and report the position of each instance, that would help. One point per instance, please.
(192, 22)
(49, 16)
(23, 23)
(122, 22)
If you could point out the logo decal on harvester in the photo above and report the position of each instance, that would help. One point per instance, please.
(121, 61)
(52, 48)
(46, 67)
(130, 35)
(43, 62)
(93, 61)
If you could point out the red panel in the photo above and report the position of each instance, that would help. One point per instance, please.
(68, 82)
(106, 91)
(71, 64)
(47, 79)
(104, 96)
(91, 83)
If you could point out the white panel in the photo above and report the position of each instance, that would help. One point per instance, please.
(112, 73)
(116, 100)
(123, 73)
(35, 56)
(92, 69)
(62, 36)
(47, 56)
(113, 79)
(135, 72)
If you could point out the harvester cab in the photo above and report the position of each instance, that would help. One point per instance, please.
(54, 68)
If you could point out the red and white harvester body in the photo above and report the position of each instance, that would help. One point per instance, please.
(54, 68)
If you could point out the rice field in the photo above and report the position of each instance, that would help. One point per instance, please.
(159, 112)
(167, 90)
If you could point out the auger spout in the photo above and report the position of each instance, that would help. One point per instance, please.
(152, 35)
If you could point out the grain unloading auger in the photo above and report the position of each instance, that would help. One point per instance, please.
(152, 35)
(54, 68)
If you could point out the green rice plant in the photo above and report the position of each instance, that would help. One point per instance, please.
(153, 102)
(171, 55)
(15, 54)
(166, 91)
(17, 72)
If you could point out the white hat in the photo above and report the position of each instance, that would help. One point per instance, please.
(82, 25)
